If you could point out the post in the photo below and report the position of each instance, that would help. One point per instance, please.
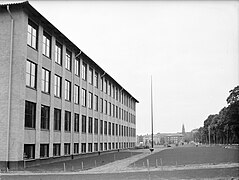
(64, 166)
(95, 164)
(148, 164)
(152, 114)
(161, 162)
(156, 163)
(82, 165)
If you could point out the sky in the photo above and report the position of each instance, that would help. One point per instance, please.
(190, 49)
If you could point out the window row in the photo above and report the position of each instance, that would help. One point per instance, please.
(29, 149)
(92, 126)
(106, 85)
(107, 108)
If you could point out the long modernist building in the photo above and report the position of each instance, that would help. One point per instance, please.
(55, 102)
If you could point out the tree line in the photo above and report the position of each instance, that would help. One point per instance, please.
(222, 128)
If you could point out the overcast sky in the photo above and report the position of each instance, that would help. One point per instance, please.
(189, 48)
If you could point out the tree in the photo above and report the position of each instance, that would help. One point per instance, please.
(234, 95)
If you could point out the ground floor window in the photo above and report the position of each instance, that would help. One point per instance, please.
(116, 145)
(76, 148)
(101, 146)
(83, 147)
(95, 147)
(29, 151)
(113, 145)
(44, 150)
(105, 146)
(89, 147)
(67, 148)
(109, 147)
(56, 149)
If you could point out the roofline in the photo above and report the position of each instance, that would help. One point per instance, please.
(25, 5)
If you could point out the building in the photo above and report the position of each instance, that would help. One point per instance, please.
(55, 102)
(172, 138)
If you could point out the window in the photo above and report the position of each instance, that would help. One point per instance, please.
(109, 109)
(101, 126)
(109, 89)
(105, 148)
(29, 151)
(68, 60)
(96, 103)
(67, 121)
(77, 67)
(116, 111)
(113, 89)
(76, 148)
(56, 149)
(76, 123)
(32, 34)
(101, 105)
(45, 81)
(102, 83)
(46, 45)
(57, 86)
(105, 86)
(105, 127)
(105, 107)
(96, 83)
(119, 113)
(119, 130)
(116, 129)
(90, 75)
(84, 67)
(96, 126)
(83, 97)
(109, 128)
(31, 74)
(67, 90)
(109, 146)
(58, 53)
(45, 117)
(44, 150)
(83, 124)
(30, 114)
(113, 110)
(101, 146)
(76, 94)
(90, 100)
(90, 125)
(83, 147)
(95, 147)
(57, 119)
(89, 147)
(116, 94)
(113, 129)
(67, 148)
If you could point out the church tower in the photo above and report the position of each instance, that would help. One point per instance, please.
(183, 130)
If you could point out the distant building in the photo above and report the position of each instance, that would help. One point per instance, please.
(56, 102)
(183, 130)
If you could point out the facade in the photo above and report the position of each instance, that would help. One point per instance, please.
(55, 102)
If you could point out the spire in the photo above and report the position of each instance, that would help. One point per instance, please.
(183, 129)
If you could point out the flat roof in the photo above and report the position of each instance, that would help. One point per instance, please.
(26, 6)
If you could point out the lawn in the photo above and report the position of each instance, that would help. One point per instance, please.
(87, 162)
(191, 155)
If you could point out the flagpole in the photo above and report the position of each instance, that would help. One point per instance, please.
(152, 112)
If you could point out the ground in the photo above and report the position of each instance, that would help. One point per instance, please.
(177, 163)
